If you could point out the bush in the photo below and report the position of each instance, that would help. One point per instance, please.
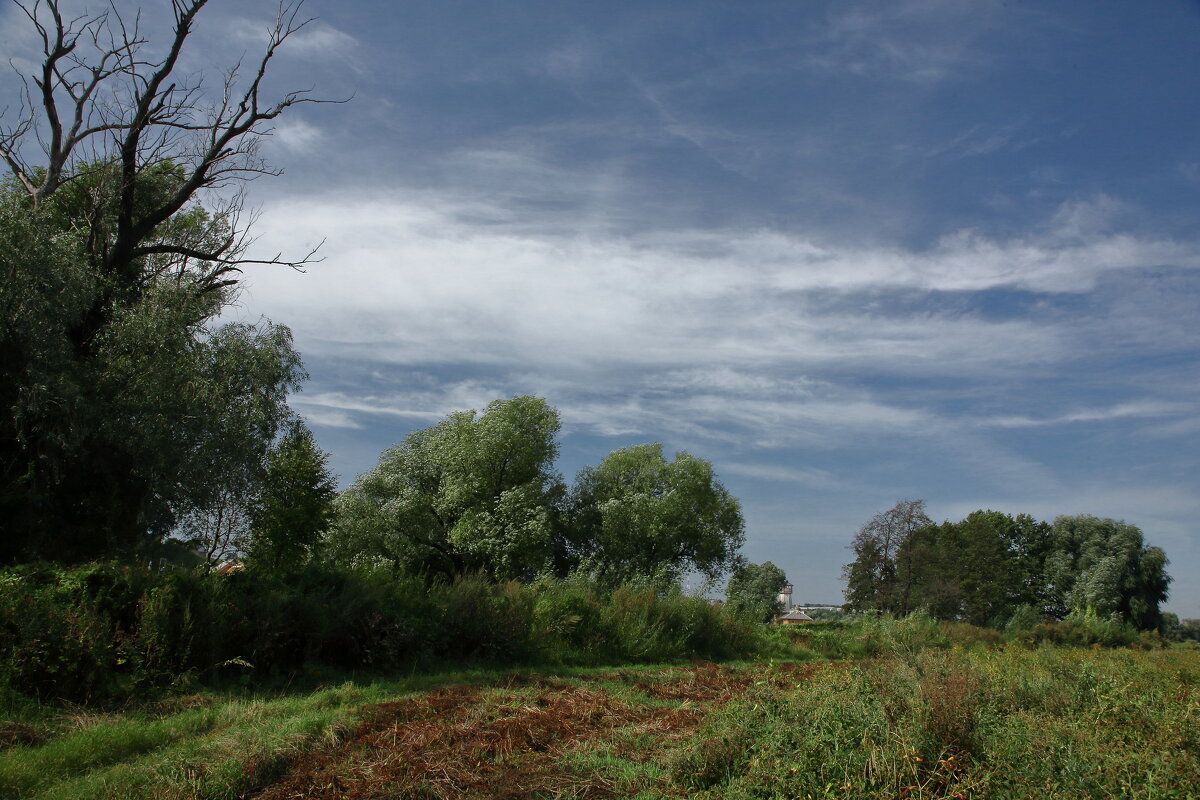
(103, 631)
(1083, 629)
(52, 647)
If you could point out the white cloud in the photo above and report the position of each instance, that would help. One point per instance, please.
(810, 477)
(421, 281)
(746, 337)
(904, 40)
(297, 135)
(321, 39)
(1149, 408)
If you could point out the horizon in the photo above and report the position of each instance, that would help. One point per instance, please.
(848, 253)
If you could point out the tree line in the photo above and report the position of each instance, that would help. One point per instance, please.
(991, 568)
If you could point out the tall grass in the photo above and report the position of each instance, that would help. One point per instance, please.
(1003, 723)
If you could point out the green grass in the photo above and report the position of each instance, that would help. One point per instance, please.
(917, 721)
(1007, 723)
(219, 751)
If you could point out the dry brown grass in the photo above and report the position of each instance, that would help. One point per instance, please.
(463, 743)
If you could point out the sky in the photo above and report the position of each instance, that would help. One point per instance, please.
(849, 252)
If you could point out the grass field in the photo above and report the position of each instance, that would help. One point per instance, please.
(964, 723)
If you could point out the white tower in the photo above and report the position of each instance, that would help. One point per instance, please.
(785, 597)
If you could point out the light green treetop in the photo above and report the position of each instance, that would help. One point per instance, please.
(472, 492)
(638, 514)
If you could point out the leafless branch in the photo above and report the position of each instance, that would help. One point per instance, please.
(96, 101)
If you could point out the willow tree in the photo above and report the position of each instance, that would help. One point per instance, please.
(124, 402)
(638, 514)
(476, 492)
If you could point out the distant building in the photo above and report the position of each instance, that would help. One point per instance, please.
(795, 617)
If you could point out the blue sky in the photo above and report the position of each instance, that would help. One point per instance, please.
(849, 252)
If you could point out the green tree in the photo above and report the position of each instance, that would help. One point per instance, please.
(1104, 566)
(753, 591)
(474, 492)
(637, 514)
(979, 569)
(289, 516)
(871, 578)
(125, 406)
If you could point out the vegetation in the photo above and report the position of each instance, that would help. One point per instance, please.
(991, 568)
(106, 633)
(142, 441)
(923, 709)
(753, 591)
(640, 514)
(470, 493)
(125, 406)
(290, 513)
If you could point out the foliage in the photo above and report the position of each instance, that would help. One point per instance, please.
(125, 407)
(994, 569)
(950, 723)
(471, 493)
(637, 514)
(753, 591)
(477, 493)
(871, 579)
(1104, 566)
(106, 631)
(290, 513)
(984, 723)
(1189, 630)
(977, 570)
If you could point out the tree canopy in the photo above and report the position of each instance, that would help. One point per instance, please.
(479, 492)
(990, 566)
(290, 512)
(126, 405)
(1103, 565)
(637, 513)
(473, 492)
(753, 591)
(871, 579)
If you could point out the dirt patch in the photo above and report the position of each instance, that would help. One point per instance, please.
(712, 683)
(462, 743)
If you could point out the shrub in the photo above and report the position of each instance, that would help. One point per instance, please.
(103, 631)
(1083, 629)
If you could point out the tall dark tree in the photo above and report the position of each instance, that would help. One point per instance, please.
(122, 402)
(871, 578)
(979, 569)
(295, 504)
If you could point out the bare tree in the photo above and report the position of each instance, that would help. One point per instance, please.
(98, 104)
(220, 529)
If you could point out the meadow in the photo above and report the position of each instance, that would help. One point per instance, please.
(876, 708)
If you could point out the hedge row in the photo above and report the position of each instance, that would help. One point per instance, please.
(105, 631)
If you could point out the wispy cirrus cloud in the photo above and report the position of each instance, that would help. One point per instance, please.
(444, 279)
(904, 40)
(1151, 409)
